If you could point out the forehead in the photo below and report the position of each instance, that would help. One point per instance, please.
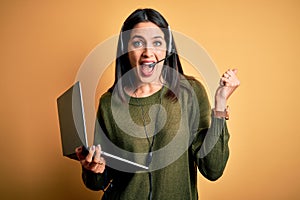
(147, 29)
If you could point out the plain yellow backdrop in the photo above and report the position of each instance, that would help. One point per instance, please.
(43, 43)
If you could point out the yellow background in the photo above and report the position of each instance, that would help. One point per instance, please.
(43, 44)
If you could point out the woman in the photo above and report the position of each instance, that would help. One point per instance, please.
(159, 116)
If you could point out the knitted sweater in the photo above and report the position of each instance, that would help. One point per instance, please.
(185, 137)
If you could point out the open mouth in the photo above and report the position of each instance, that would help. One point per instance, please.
(147, 69)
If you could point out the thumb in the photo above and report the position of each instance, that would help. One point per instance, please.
(235, 71)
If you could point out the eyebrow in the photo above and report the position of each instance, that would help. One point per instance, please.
(141, 37)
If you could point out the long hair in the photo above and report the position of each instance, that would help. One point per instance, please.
(172, 59)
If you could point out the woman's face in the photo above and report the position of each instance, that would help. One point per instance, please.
(147, 45)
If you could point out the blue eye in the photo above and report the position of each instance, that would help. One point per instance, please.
(157, 43)
(137, 44)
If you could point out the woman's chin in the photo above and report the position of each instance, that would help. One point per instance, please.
(149, 79)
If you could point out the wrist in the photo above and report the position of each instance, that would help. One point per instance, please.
(221, 113)
(220, 103)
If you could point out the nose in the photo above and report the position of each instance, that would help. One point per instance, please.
(148, 51)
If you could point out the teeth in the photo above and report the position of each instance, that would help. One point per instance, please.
(149, 63)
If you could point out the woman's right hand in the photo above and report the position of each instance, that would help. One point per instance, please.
(93, 161)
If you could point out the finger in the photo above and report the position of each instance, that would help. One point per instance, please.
(235, 71)
(224, 81)
(97, 167)
(226, 75)
(89, 157)
(88, 165)
(97, 154)
(231, 82)
(100, 169)
(231, 73)
(85, 164)
(92, 165)
(102, 161)
(78, 150)
(79, 154)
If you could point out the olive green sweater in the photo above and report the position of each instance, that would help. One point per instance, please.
(186, 137)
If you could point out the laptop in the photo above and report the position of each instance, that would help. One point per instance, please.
(73, 129)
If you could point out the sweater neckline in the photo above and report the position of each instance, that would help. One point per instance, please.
(155, 97)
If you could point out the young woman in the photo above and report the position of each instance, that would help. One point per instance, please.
(159, 117)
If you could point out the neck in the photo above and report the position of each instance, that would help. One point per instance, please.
(146, 89)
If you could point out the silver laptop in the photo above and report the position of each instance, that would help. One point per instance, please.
(73, 129)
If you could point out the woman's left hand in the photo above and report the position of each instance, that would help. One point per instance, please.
(228, 84)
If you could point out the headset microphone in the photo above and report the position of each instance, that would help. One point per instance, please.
(153, 64)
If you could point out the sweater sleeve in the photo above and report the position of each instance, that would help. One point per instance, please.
(95, 181)
(210, 139)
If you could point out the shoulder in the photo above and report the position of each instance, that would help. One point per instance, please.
(105, 99)
(191, 83)
(106, 96)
